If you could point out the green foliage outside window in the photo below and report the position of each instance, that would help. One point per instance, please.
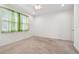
(12, 21)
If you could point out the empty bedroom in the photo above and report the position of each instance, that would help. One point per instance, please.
(39, 29)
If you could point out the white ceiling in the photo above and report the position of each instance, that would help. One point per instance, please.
(46, 8)
(51, 8)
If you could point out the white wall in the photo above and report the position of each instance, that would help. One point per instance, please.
(7, 38)
(76, 26)
(55, 25)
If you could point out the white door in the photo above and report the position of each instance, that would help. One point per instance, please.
(76, 26)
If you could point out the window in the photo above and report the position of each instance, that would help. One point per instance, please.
(12, 21)
(23, 22)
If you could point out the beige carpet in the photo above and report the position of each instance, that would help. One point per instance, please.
(40, 45)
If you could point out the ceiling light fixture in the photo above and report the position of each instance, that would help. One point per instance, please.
(37, 7)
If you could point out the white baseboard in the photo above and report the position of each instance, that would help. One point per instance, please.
(52, 37)
(6, 43)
